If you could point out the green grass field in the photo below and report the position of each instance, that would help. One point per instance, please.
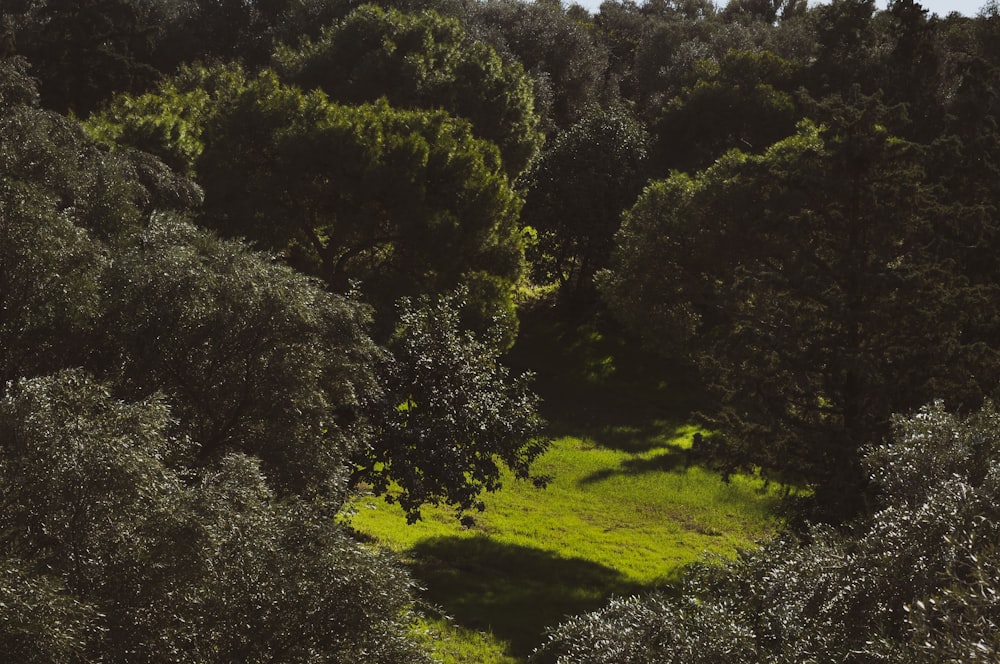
(623, 512)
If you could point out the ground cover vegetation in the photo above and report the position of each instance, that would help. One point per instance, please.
(625, 509)
(256, 255)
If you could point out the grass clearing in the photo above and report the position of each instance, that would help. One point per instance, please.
(624, 512)
(610, 522)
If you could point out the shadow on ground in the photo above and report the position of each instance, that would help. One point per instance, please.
(513, 591)
(595, 381)
(673, 459)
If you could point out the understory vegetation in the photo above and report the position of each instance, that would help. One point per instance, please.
(492, 330)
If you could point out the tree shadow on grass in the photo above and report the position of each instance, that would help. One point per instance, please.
(673, 459)
(513, 591)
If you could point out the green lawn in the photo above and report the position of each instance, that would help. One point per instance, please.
(610, 522)
(622, 513)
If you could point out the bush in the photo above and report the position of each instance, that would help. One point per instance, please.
(915, 582)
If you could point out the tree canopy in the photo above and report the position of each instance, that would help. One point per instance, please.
(134, 559)
(283, 255)
(399, 202)
(791, 279)
(181, 417)
(421, 61)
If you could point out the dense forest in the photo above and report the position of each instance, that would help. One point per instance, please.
(257, 253)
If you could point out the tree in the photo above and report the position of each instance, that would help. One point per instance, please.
(846, 36)
(179, 419)
(568, 63)
(810, 286)
(84, 51)
(766, 11)
(914, 74)
(915, 582)
(136, 558)
(578, 190)
(41, 622)
(744, 102)
(421, 61)
(453, 417)
(288, 382)
(61, 201)
(402, 202)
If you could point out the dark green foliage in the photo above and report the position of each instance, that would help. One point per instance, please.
(177, 506)
(138, 561)
(181, 504)
(966, 161)
(286, 381)
(453, 417)
(578, 190)
(84, 51)
(421, 61)
(743, 102)
(723, 67)
(60, 196)
(847, 39)
(402, 202)
(40, 621)
(765, 11)
(807, 285)
(914, 73)
(568, 63)
(49, 284)
(144, 308)
(916, 582)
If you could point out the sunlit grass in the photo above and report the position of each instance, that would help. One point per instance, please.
(610, 522)
(624, 511)
(452, 644)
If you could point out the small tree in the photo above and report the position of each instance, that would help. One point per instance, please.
(453, 417)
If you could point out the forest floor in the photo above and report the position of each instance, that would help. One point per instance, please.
(623, 513)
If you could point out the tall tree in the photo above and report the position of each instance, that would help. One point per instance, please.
(421, 61)
(811, 284)
(403, 202)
